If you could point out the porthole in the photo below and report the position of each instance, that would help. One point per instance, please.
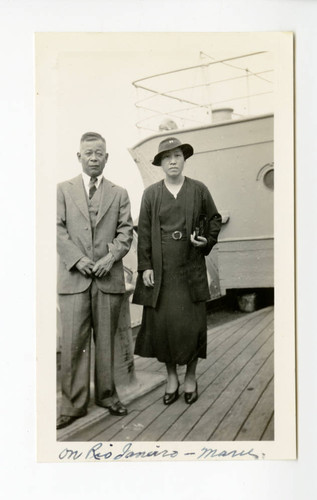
(268, 179)
(266, 175)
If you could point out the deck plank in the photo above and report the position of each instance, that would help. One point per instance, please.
(167, 418)
(118, 425)
(215, 335)
(268, 434)
(241, 318)
(259, 418)
(220, 407)
(164, 421)
(240, 357)
(229, 427)
(144, 402)
(99, 428)
(159, 424)
(143, 364)
(227, 332)
(139, 423)
(240, 337)
(157, 428)
(216, 378)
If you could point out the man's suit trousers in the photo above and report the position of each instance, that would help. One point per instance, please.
(82, 313)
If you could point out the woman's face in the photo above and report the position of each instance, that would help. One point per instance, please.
(172, 162)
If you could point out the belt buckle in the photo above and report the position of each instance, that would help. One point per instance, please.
(177, 235)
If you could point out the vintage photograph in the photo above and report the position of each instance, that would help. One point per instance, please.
(171, 296)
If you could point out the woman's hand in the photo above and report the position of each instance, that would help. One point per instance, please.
(200, 242)
(148, 277)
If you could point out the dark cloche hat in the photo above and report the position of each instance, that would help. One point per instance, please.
(172, 143)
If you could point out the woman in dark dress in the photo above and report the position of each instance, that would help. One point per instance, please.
(178, 226)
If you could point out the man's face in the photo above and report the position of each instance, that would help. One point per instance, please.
(93, 157)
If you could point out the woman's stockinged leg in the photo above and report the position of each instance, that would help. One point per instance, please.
(172, 378)
(190, 377)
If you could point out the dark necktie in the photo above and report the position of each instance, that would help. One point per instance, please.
(92, 186)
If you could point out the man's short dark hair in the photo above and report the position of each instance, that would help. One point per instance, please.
(92, 136)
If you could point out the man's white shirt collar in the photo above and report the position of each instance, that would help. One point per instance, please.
(86, 180)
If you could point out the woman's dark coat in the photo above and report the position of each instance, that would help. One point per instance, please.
(198, 201)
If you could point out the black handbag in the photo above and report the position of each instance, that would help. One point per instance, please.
(201, 227)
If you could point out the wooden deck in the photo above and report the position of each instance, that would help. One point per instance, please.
(236, 393)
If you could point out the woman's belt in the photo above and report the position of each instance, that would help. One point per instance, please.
(174, 235)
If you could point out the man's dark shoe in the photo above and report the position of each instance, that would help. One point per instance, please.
(64, 421)
(117, 409)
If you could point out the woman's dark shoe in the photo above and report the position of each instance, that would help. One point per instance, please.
(191, 397)
(171, 397)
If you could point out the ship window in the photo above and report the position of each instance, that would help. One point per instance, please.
(268, 179)
(266, 175)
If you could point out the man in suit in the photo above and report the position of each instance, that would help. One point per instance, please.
(94, 232)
